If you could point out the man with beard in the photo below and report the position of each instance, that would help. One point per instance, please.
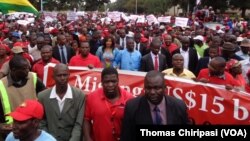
(27, 117)
(154, 107)
(104, 109)
(63, 106)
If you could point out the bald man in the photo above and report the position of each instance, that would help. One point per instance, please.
(178, 69)
(63, 105)
(154, 107)
(216, 74)
(85, 59)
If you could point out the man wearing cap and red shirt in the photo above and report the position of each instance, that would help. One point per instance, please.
(26, 123)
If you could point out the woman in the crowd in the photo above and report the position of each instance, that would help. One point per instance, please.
(75, 47)
(107, 51)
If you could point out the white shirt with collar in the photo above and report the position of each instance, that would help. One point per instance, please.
(245, 67)
(138, 46)
(242, 55)
(123, 40)
(34, 52)
(185, 55)
(60, 101)
(64, 48)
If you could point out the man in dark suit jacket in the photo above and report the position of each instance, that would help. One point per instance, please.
(63, 121)
(121, 40)
(203, 62)
(138, 46)
(155, 107)
(95, 42)
(148, 61)
(61, 52)
(192, 54)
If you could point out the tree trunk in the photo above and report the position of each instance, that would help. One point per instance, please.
(243, 12)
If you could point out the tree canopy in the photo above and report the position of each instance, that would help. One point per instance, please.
(143, 6)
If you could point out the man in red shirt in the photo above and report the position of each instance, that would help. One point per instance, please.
(46, 55)
(216, 74)
(104, 109)
(85, 59)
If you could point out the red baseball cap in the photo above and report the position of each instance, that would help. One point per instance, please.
(18, 44)
(27, 110)
(144, 40)
(54, 31)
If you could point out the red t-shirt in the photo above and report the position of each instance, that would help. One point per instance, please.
(79, 61)
(228, 78)
(247, 88)
(105, 115)
(240, 80)
(38, 67)
(172, 47)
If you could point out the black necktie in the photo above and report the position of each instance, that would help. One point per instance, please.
(158, 119)
(63, 59)
(136, 47)
(123, 43)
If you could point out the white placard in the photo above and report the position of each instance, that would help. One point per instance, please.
(48, 19)
(165, 19)
(23, 22)
(115, 16)
(151, 19)
(71, 16)
(141, 19)
(53, 15)
(182, 22)
(126, 18)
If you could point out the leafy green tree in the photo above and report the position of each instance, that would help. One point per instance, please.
(143, 6)
(222, 5)
(241, 4)
(92, 5)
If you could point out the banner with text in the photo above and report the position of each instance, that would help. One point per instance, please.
(207, 103)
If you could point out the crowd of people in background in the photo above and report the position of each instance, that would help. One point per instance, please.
(218, 56)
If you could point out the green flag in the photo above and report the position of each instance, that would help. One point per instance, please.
(8, 6)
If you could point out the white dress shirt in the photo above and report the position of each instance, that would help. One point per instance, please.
(185, 55)
(60, 101)
(153, 58)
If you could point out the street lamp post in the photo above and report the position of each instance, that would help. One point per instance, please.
(135, 6)
(41, 5)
